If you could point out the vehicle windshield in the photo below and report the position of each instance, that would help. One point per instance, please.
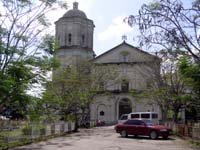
(124, 117)
(149, 122)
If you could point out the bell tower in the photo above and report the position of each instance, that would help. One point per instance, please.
(74, 36)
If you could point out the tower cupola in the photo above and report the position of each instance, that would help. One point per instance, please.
(74, 34)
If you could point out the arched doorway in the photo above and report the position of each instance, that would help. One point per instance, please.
(124, 106)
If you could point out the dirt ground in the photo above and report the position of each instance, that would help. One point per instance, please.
(105, 138)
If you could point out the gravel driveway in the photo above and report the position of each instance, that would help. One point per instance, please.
(105, 138)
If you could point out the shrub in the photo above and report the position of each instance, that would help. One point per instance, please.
(26, 130)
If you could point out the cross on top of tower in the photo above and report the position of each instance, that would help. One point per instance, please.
(75, 5)
(124, 38)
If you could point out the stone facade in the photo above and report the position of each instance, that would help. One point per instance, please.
(74, 34)
(136, 68)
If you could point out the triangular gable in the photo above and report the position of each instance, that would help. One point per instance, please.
(125, 52)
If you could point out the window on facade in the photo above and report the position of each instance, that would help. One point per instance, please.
(125, 86)
(70, 38)
(101, 86)
(101, 113)
(149, 85)
(83, 40)
(124, 55)
(125, 58)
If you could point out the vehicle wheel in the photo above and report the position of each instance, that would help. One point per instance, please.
(124, 133)
(153, 135)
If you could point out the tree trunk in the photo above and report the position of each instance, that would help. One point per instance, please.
(164, 115)
(76, 121)
(175, 117)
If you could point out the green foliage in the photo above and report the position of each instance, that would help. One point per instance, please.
(49, 44)
(27, 130)
(25, 56)
(168, 89)
(72, 89)
(155, 5)
(190, 72)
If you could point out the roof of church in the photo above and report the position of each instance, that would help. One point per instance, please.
(75, 12)
(124, 43)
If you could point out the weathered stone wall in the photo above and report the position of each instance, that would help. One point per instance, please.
(133, 65)
(109, 104)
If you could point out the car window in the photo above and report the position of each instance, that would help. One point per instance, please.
(154, 116)
(145, 116)
(124, 117)
(135, 116)
(129, 122)
(134, 122)
(139, 122)
(148, 122)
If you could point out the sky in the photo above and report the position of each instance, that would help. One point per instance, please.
(108, 18)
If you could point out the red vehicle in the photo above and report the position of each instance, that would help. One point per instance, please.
(142, 127)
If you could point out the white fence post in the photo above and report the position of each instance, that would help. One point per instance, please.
(48, 130)
(35, 132)
(196, 131)
(57, 128)
(66, 127)
(72, 126)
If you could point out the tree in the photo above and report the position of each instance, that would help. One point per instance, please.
(72, 90)
(169, 25)
(167, 89)
(24, 60)
(190, 73)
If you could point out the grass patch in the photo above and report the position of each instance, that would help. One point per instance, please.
(195, 143)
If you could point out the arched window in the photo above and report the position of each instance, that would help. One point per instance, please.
(69, 38)
(102, 113)
(125, 86)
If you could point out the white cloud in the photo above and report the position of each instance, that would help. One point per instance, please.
(116, 29)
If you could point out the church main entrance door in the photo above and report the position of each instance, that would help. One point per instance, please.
(124, 107)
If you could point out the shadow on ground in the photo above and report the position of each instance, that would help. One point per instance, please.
(147, 138)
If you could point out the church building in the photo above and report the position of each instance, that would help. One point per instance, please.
(74, 33)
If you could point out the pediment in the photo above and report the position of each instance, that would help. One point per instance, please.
(125, 53)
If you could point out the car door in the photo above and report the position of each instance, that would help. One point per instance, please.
(142, 128)
(131, 127)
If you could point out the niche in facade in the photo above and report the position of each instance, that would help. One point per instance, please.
(102, 113)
